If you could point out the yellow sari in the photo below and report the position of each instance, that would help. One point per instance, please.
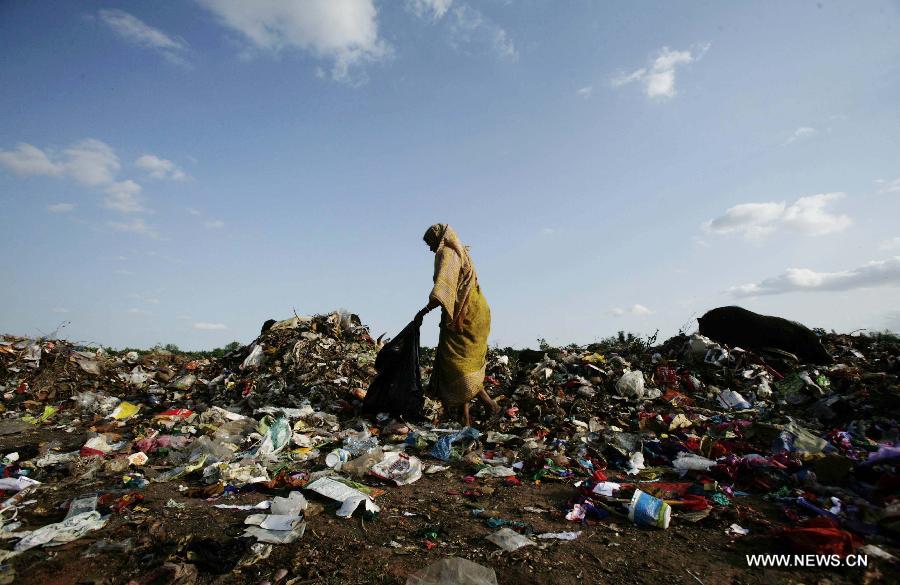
(459, 361)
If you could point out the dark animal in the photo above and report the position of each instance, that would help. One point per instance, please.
(736, 326)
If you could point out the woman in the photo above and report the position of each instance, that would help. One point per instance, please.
(459, 361)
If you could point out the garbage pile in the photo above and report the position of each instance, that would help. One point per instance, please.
(114, 455)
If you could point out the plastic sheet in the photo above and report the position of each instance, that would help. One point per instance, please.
(453, 571)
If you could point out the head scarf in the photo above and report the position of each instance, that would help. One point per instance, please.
(454, 273)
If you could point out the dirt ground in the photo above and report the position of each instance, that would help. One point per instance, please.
(418, 524)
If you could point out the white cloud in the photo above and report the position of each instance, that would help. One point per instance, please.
(137, 32)
(471, 26)
(659, 78)
(91, 162)
(342, 31)
(136, 227)
(210, 326)
(29, 160)
(640, 310)
(136, 311)
(548, 231)
(585, 92)
(59, 310)
(753, 220)
(870, 275)
(192, 211)
(431, 9)
(631, 77)
(891, 244)
(214, 224)
(123, 196)
(807, 215)
(890, 186)
(144, 298)
(635, 309)
(160, 168)
(800, 133)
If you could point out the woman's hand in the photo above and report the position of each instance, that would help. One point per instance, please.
(432, 304)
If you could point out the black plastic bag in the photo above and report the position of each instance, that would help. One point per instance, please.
(397, 388)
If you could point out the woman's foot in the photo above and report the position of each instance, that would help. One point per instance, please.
(495, 408)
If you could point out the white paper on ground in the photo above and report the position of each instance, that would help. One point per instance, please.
(275, 536)
(255, 519)
(606, 488)
(349, 497)
(263, 505)
(291, 505)
(280, 522)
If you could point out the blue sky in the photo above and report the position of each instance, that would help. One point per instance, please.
(180, 172)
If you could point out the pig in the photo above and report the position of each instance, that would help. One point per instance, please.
(736, 326)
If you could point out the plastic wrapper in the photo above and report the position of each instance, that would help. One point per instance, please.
(400, 468)
(453, 571)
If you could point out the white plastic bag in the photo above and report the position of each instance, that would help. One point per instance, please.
(631, 384)
(691, 461)
(509, 540)
(254, 359)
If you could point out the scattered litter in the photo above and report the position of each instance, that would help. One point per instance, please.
(694, 430)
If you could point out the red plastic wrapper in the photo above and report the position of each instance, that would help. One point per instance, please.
(666, 490)
(598, 475)
(667, 376)
(125, 502)
(820, 536)
(176, 413)
(693, 503)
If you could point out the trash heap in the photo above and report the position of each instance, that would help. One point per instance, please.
(111, 452)
(691, 429)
